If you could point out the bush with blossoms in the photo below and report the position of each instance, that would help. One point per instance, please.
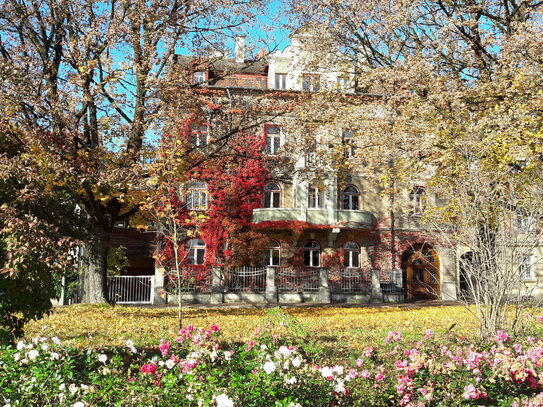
(197, 369)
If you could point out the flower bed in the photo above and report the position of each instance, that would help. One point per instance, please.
(197, 370)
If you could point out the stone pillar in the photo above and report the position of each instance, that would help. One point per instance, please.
(159, 293)
(271, 289)
(216, 286)
(324, 289)
(449, 273)
(376, 292)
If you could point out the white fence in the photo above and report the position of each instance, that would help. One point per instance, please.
(131, 289)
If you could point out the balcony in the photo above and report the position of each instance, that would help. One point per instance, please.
(338, 217)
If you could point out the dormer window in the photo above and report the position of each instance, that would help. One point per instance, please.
(280, 81)
(199, 77)
(311, 82)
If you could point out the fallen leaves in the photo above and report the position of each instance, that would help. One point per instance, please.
(349, 328)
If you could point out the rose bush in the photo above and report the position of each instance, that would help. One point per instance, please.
(197, 369)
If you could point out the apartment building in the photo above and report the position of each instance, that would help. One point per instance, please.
(333, 235)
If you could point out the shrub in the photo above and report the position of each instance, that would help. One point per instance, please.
(198, 370)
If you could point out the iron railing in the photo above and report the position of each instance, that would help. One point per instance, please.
(245, 279)
(131, 289)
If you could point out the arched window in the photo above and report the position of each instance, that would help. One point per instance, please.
(272, 254)
(272, 195)
(351, 197)
(197, 196)
(351, 257)
(312, 254)
(314, 197)
(418, 200)
(196, 251)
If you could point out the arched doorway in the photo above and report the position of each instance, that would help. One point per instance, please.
(422, 276)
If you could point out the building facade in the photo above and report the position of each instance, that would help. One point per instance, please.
(332, 233)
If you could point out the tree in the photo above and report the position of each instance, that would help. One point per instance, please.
(230, 172)
(38, 234)
(84, 80)
(449, 95)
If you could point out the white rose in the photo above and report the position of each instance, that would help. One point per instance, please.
(102, 358)
(269, 367)
(224, 401)
(296, 362)
(33, 354)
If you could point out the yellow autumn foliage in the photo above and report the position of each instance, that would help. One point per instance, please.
(345, 328)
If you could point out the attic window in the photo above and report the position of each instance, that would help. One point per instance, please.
(199, 77)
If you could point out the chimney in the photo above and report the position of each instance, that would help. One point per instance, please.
(240, 49)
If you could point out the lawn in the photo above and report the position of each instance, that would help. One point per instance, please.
(346, 328)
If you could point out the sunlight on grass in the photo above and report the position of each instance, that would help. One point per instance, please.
(345, 328)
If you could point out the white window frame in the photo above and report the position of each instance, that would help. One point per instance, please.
(527, 267)
(198, 77)
(315, 197)
(272, 253)
(418, 200)
(351, 255)
(199, 135)
(272, 196)
(280, 81)
(196, 196)
(313, 249)
(196, 249)
(348, 200)
(276, 139)
(311, 82)
(347, 140)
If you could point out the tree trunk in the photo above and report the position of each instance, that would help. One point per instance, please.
(94, 281)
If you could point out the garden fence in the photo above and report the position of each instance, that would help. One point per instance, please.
(353, 280)
(298, 279)
(242, 279)
(131, 289)
(392, 282)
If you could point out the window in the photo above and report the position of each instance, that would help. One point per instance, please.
(273, 139)
(311, 83)
(526, 267)
(347, 140)
(351, 198)
(312, 253)
(199, 77)
(196, 252)
(343, 82)
(197, 196)
(351, 257)
(280, 81)
(272, 255)
(198, 135)
(418, 199)
(314, 197)
(525, 223)
(272, 196)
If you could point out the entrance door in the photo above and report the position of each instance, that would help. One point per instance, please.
(422, 272)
